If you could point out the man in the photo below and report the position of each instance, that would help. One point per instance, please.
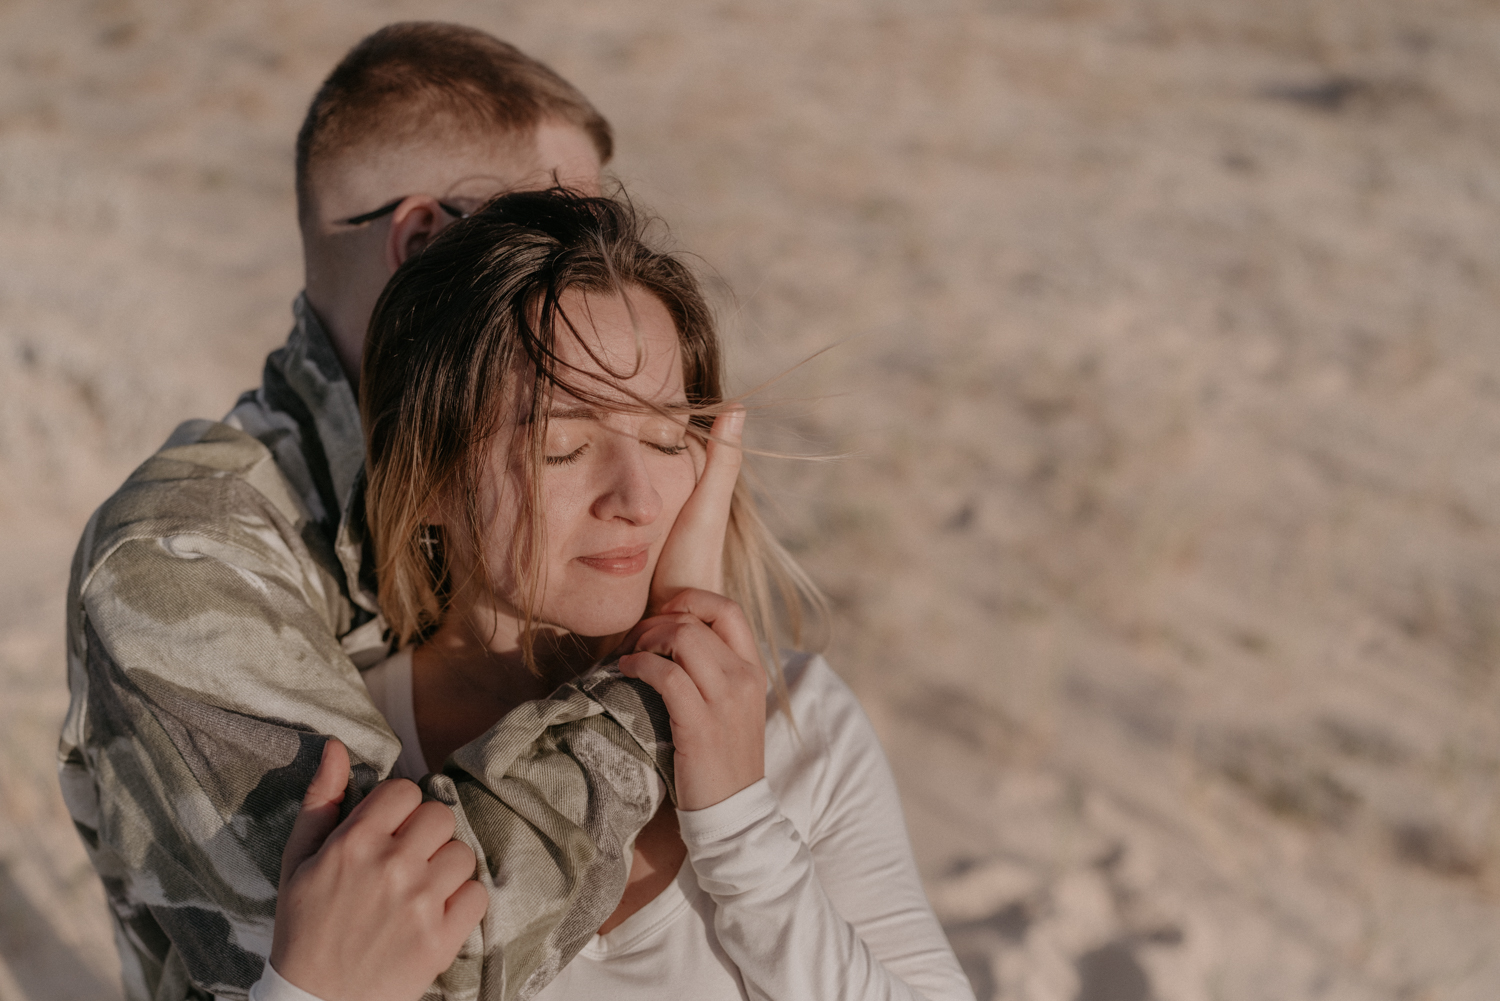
(221, 601)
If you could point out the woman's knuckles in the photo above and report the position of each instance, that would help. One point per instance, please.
(684, 701)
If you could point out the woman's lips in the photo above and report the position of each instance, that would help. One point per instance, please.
(625, 561)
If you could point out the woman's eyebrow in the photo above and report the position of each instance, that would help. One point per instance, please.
(579, 413)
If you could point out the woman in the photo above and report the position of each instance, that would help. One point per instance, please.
(550, 459)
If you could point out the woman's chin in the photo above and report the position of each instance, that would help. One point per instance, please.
(599, 622)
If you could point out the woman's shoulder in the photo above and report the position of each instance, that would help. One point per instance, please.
(386, 678)
(809, 677)
(823, 705)
(825, 764)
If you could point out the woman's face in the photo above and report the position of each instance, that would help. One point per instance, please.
(613, 480)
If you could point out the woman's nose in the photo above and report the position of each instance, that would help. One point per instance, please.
(626, 490)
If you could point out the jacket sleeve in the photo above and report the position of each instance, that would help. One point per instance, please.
(206, 675)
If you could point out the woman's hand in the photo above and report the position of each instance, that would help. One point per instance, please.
(699, 653)
(376, 908)
(694, 552)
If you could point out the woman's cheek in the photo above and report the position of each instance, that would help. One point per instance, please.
(565, 499)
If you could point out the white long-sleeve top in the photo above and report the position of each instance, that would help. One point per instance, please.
(801, 887)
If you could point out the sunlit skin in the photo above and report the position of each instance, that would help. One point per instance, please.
(621, 490)
(375, 907)
(612, 486)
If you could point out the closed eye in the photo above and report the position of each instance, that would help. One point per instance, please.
(570, 458)
(668, 449)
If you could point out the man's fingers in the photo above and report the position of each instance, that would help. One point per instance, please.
(319, 814)
(427, 828)
(332, 777)
(450, 865)
(385, 809)
(464, 910)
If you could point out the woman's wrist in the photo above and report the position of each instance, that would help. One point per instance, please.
(743, 845)
(728, 817)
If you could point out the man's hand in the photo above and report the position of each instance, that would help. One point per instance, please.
(375, 908)
(700, 654)
(693, 556)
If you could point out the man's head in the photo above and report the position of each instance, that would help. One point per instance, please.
(423, 119)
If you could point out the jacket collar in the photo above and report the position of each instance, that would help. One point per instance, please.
(312, 371)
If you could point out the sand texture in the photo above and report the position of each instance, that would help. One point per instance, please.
(1165, 553)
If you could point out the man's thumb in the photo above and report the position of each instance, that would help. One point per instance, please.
(320, 809)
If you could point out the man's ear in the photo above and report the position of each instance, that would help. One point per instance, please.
(415, 222)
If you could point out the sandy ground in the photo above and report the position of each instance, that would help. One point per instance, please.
(1166, 555)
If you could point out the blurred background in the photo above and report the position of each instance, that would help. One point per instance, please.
(1166, 554)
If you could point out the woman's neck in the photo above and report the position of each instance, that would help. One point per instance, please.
(471, 671)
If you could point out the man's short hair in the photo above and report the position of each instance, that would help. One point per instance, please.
(427, 77)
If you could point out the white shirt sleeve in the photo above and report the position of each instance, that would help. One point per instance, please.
(273, 987)
(842, 919)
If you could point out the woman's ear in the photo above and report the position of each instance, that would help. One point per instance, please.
(435, 513)
(415, 222)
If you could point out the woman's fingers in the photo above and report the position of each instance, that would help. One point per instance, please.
(319, 814)
(718, 719)
(721, 467)
(698, 652)
(693, 556)
(384, 904)
(701, 657)
(683, 698)
(723, 616)
(378, 907)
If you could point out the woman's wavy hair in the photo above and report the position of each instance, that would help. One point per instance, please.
(469, 328)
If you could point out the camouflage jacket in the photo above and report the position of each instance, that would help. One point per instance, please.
(219, 610)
